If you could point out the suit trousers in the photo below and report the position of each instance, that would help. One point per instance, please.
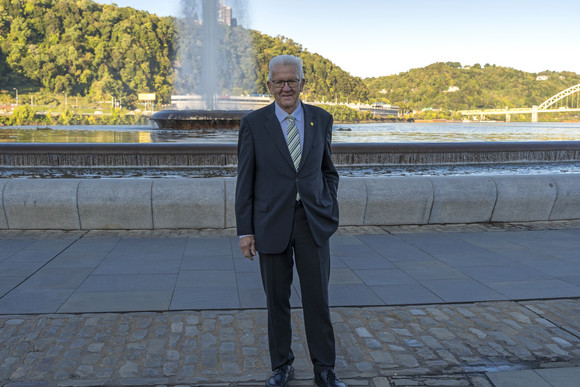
(313, 267)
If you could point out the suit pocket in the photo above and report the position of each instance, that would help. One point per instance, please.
(324, 198)
(261, 206)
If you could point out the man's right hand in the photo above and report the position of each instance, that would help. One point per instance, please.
(248, 246)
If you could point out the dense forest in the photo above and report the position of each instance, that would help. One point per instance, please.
(98, 52)
(102, 51)
(84, 48)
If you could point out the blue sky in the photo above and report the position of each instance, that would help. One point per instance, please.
(374, 38)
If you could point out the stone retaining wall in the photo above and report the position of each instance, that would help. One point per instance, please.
(223, 154)
(115, 204)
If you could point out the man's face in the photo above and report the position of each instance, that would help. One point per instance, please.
(286, 96)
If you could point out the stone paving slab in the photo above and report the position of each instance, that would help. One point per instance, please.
(114, 271)
(453, 345)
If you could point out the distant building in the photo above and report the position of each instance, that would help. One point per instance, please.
(225, 14)
(382, 109)
(452, 89)
(542, 78)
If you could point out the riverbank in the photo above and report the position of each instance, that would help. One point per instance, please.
(26, 115)
(378, 120)
(443, 121)
(129, 118)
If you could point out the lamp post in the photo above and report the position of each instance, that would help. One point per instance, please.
(16, 95)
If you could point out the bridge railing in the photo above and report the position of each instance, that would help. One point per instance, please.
(542, 108)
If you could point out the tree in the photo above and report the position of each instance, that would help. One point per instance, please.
(62, 46)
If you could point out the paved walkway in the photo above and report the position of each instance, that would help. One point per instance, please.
(464, 305)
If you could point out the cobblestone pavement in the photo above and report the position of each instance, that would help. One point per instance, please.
(430, 345)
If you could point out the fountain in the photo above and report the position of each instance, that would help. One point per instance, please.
(208, 71)
(198, 119)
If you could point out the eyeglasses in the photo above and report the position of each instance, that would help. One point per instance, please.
(293, 83)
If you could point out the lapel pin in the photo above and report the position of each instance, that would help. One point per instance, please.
(312, 124)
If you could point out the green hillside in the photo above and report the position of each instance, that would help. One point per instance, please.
(54, 49)
(450, 86)
(81, 48)
(84, 48)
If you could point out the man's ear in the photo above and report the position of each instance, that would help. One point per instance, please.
(269, 85)
(302, 83)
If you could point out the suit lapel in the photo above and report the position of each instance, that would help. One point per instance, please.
(274, 130)
(310, 126)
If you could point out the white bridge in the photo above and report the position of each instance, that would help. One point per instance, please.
(545, 107)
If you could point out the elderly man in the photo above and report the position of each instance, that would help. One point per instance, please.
(286, 210)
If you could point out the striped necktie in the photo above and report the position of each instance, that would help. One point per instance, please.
(293, 141)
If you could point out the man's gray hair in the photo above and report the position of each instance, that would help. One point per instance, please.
(286, 60)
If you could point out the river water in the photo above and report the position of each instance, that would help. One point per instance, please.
(342, 133)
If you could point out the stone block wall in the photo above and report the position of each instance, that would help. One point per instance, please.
(145, 204)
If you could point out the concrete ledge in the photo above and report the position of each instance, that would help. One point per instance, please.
(398, 200)
(72, 204)
(188, 203)
(115, 204)
(524, 198)
(352, 196)
(3, 221)
(230, 187)
(567, 204)
(41, 204)
(464, 199)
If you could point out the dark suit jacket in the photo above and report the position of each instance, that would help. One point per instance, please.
(268, 181)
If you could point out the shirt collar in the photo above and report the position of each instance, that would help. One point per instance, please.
(298, 114)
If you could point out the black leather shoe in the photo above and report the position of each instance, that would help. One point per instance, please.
(281, 376)
(328, 379)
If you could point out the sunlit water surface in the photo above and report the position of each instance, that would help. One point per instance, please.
(355, 133)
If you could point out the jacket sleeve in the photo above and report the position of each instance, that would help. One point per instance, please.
(328, 170)
(245, 182)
